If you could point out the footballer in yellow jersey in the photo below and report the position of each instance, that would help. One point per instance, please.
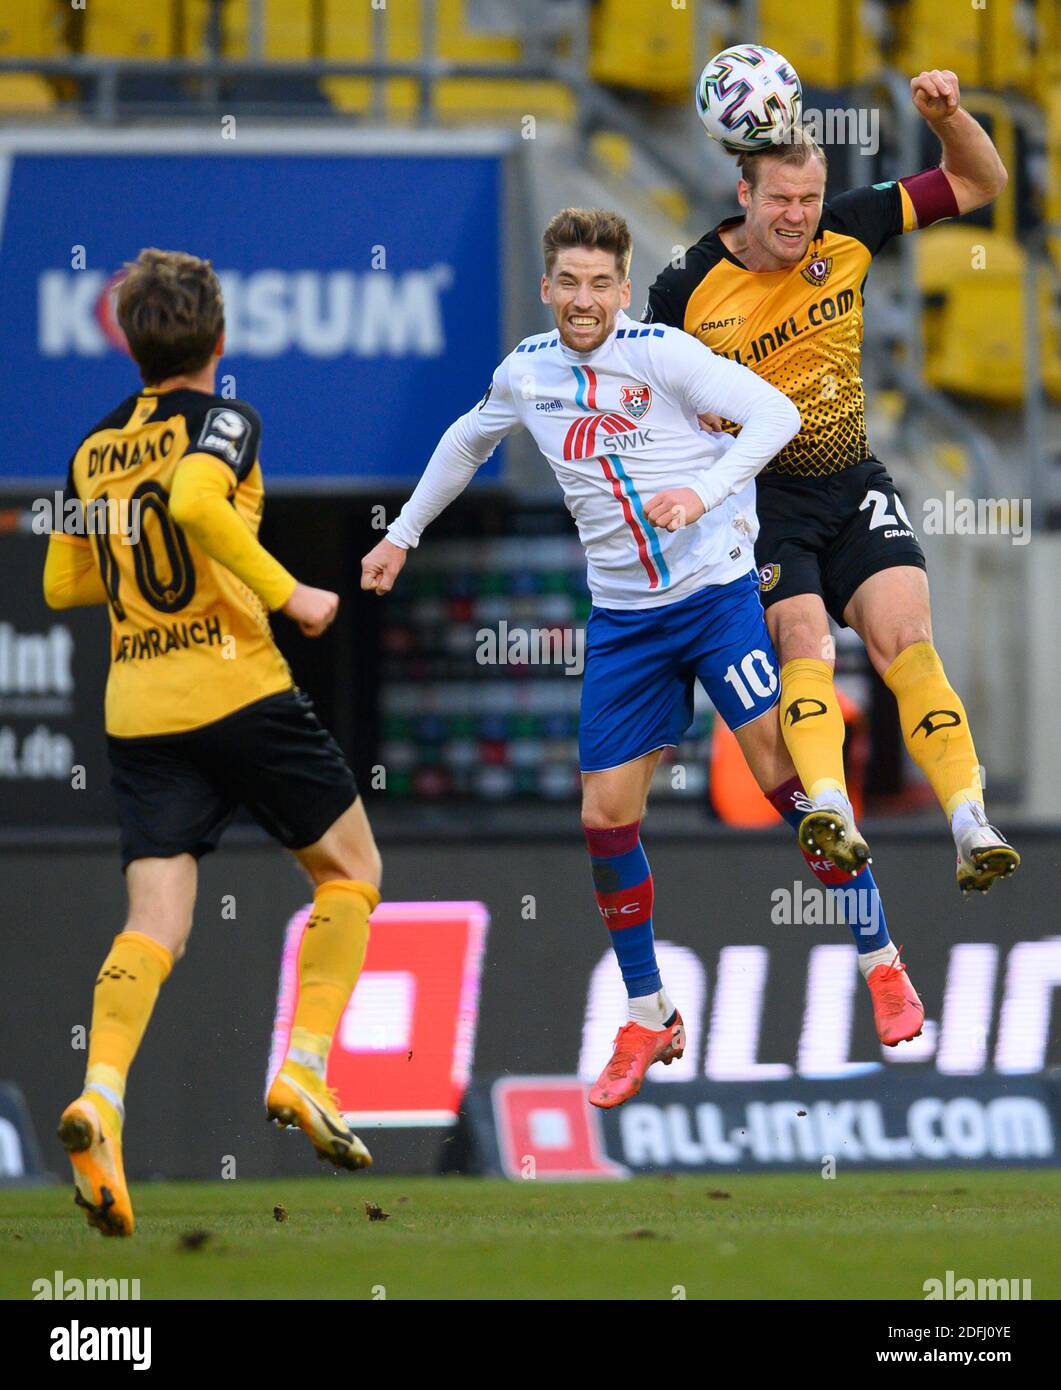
(202, 715)
(780, 289)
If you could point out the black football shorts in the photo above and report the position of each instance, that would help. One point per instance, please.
(826, 536)
(176, 793)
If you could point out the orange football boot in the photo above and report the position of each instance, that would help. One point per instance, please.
(897, 1011)
(633, 1052)
(94, 1146)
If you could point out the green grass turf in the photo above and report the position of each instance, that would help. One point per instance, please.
(869, 1235)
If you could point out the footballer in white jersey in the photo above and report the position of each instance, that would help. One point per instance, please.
(665, 511)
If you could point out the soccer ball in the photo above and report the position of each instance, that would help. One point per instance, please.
(748, 97)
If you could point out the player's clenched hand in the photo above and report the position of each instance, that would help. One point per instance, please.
(675, 508)
(381, 567)
(313, 609)
(935, 94)
(710, 422)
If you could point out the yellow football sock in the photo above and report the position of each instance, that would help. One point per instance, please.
(812, 725)
(935, 726)
(333, 951)
(124, 998)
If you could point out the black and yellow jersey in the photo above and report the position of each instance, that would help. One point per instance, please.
(800, 328)
(190, 642)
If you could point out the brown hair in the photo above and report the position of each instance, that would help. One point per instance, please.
(798, 149)
(595, 228)
(170, 309)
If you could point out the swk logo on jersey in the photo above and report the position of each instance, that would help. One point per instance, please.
(635, 400)
(818, 271)
(937, 719)
(804, 708)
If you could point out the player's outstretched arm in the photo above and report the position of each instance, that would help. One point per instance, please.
(71, 575)
(971, 163)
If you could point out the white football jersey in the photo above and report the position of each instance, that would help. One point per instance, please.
(618, 425)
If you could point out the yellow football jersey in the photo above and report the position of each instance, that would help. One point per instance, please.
(190, 642)
(799, 328)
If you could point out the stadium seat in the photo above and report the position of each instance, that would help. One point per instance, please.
(25, 92)
(931, 35)
(31, 29)
(838, 48)
(1006, 45)
(648, 47)
(350, 36)
(973, 321)
(115, 29)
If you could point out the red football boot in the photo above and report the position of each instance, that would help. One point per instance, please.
(897, 1011)
(633, 1052)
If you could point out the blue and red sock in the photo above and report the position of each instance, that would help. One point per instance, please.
(864, 911)
(622, 881)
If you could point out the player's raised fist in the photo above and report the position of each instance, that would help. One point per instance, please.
(935, 94)
(313, 609)
(675, 508)
(381, 567)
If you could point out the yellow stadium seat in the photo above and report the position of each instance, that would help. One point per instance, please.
(647, 47)
(349, 35)
(1006, 45)
(837, 48)
(31, 29)
(1047, 63)
(25, 92)
(934, 35)
(116, 29)
(973, 331)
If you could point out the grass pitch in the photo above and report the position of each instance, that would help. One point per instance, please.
(869, 1235)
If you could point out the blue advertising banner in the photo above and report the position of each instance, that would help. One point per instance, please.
(362, 295)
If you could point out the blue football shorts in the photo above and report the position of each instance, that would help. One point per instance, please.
(641, 665)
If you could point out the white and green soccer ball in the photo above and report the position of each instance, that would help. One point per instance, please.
(748, 97)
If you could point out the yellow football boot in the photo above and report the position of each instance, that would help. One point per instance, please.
(299, 1097)
(91, 1135)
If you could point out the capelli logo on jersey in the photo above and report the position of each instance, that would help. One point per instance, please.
(549, 405)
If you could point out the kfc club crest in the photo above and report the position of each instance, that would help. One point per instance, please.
(635, 400)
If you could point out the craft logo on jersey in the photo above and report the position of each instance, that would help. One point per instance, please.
(635, 400)
(818, 271)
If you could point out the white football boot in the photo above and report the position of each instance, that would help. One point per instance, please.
(983, 852)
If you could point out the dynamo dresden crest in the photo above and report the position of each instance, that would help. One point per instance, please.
(818, 271)
(768, 577)
(635, 400)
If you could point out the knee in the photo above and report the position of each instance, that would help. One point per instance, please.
(802, 640)
(605, 813)
(361, 865)
(886, 648)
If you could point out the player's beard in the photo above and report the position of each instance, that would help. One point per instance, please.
(585, 344)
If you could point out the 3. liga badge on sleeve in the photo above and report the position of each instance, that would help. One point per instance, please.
(635, 400)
